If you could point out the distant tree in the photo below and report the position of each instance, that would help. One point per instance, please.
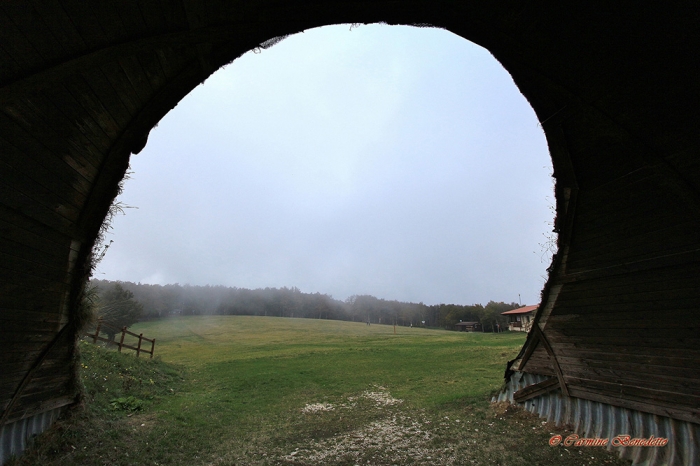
(117, 308)
(492, 317)
(164, 300)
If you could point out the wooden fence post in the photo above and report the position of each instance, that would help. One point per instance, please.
(121, 342)
(138, 348)
(153, 347)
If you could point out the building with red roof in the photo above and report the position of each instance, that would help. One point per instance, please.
(520, 320)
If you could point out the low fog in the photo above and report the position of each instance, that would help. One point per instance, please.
(391, 161)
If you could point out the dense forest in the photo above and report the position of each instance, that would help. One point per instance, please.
(159, 301)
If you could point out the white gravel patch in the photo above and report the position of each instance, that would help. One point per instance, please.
(396, 439)
(317, 408)
(390, 439)
(381, 396)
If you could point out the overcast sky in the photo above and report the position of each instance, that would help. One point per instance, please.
(392, 161)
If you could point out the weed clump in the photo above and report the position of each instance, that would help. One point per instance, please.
(118, 390)
(108, 375)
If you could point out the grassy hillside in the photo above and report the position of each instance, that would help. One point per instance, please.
(303, 358)
(256, 390)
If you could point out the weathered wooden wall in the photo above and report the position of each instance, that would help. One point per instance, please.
(615, 87)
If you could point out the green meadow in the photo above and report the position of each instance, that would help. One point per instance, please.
(234, 390)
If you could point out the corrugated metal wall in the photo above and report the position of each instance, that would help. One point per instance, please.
(591, 419)
(15, 435)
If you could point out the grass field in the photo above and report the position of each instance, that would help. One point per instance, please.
(255, 390)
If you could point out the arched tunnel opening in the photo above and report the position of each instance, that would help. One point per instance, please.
(615, 91)
(393, 161)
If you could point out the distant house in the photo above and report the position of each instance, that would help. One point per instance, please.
(467, 326)
(520, 320)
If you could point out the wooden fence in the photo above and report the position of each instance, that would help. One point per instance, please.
(123, 331)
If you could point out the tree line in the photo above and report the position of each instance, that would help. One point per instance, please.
(158, 301)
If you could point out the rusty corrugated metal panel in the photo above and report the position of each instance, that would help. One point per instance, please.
(15, 435)
(592, 419)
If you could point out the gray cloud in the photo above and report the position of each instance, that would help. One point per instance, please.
(392, 161)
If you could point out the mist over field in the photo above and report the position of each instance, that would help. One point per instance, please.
(136, 301)
(396, 162)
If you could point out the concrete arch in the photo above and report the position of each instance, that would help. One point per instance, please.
(614, 88)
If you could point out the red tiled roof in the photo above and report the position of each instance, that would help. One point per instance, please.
(522, 310)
